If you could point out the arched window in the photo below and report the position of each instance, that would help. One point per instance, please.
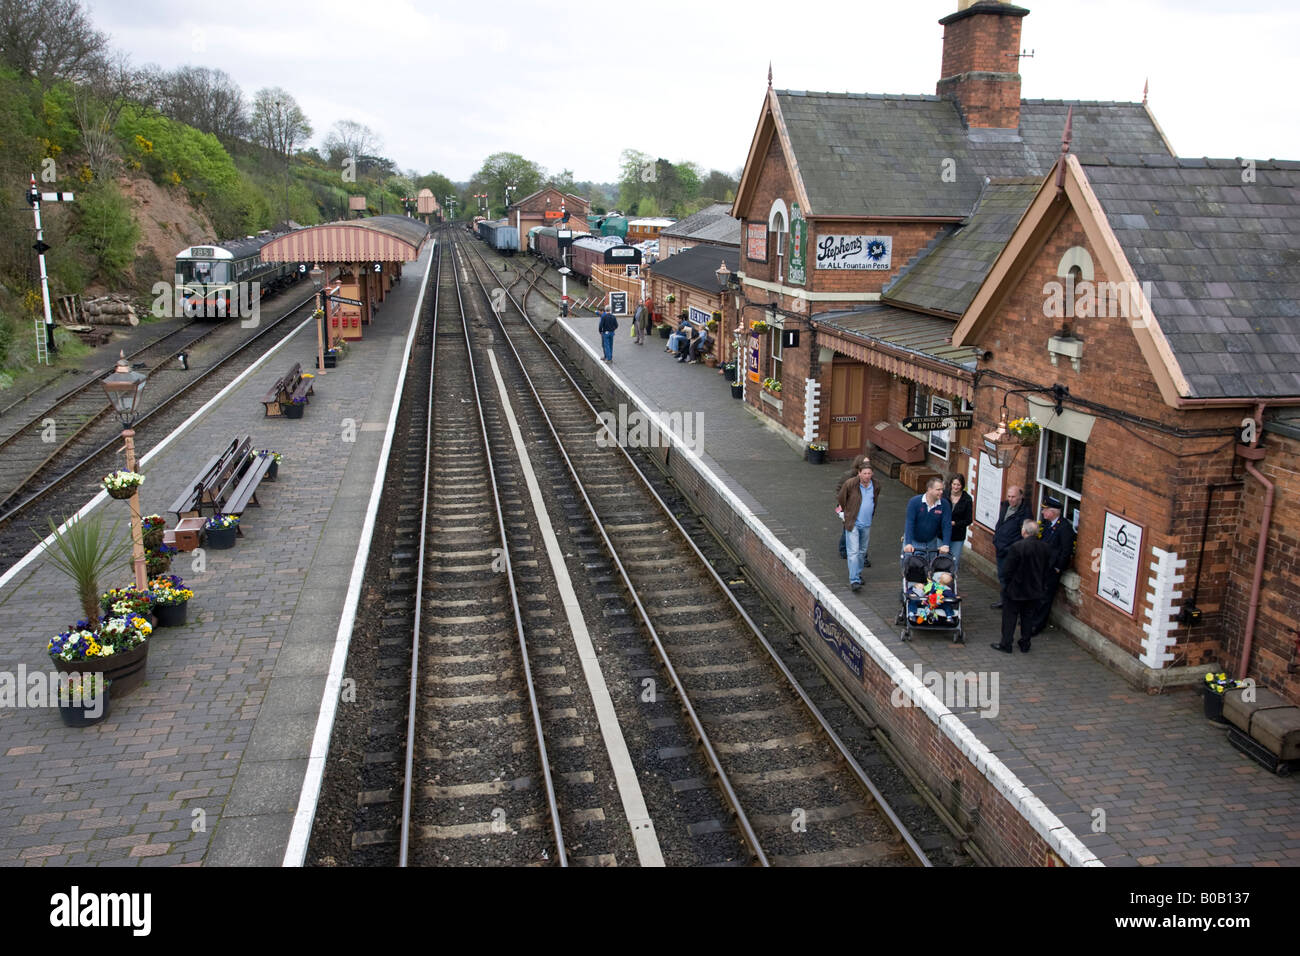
(777, 223)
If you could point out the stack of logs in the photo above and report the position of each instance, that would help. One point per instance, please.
(111, 309)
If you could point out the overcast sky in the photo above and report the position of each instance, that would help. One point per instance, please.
(570, 85)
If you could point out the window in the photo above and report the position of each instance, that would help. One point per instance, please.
(774, 353)
(778, 226)
(1060, 472)
(920, 400)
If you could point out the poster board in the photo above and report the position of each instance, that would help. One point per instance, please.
(1121, 551)
(756, 241)
(988, 492)
(942, 408)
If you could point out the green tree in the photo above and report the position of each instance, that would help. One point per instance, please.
(499, 171)
(107, 229)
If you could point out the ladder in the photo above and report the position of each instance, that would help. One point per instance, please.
(42, 353)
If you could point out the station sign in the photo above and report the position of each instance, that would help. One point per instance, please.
(553, 214)
(938, 423)
(618, 303)
(343, 299)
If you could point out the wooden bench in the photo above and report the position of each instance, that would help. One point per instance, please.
(200, 490)
(285, 389)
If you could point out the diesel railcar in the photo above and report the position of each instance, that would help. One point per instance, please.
(216, 278)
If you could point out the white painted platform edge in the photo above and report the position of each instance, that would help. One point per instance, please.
(1034, 811)
(181, 429)
(295, 854)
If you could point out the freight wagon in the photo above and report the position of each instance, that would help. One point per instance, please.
(500, 235)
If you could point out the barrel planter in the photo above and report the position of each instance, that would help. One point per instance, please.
(1213, 703)
(81, 715)
(737, 391)
(220, 539)
(291, 410)
(664, 331)
(816, 456)
(170, 615)
(273, 471)
(125, 670)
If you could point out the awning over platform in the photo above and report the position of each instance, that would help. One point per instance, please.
(376, 239)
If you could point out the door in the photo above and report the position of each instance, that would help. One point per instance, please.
(848, 411)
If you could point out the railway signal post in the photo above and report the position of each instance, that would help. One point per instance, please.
(44, 344)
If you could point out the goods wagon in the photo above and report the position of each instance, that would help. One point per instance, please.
(500, 235)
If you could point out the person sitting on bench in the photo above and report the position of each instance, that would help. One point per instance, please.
(687, 343)
(675, 340)
(699, 346)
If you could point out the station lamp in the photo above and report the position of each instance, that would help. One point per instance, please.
(124, 386)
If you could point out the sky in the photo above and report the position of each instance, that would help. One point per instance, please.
(570, 86)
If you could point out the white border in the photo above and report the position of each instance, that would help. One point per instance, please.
(295, 853)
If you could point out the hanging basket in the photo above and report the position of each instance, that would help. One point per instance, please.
(122, 494)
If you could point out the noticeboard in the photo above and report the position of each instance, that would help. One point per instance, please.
(988, 492)
(618, 303)
(1117, 574)
(756, 241)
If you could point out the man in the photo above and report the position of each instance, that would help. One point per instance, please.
(929, 520)
(1022, 590)
(1014, 513)
(608, 326)
(638, 324)
(699, 347)
(1058, 535)
(857, 506)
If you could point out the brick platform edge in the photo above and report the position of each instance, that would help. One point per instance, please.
(1011, 825)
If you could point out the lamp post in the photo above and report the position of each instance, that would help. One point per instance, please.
(318, 280)
(124, 388)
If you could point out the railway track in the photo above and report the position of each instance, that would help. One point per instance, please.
(53, 477)
(795, 791)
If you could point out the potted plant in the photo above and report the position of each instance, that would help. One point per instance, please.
(159, 560)
(83, 551)
(1216, 685)
(1026, 429)
(220, 531)
(772, 385)
(275, 457)
(122, 484)
(671, 298)
(83, 699)
(331, 358)
(294, 407)
(737, 388)
(118, 648)
(153, 528)
(816, 452)
(758, 325)
(170, 600)
(118, 602)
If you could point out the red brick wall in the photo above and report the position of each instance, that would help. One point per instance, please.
(774, 182)
(1274, 648)
(983, 43)
(909, 238)
(1156, 479)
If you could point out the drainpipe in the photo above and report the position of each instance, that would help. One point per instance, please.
(1265, 520)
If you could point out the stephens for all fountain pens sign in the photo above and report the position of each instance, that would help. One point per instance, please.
(870, 253)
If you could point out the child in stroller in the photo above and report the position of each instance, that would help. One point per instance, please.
(929, 597)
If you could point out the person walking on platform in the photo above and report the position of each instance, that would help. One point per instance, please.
(608, 326)
(1014, 513)
(1025, 568)
(929, 520)
(1058, 535)
(857, 506)
(963, 508)
(638, 324)
(858, 462)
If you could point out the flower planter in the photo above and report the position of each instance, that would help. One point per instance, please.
(816, 456)
(290, 410)
(152, 539)
(170, 615)
(121, 494)
(273, 471)
(220, 539)
(331, 361)
(1213, 703)
(737, 390)
(664, 332)
(79, 715)
(126, 670)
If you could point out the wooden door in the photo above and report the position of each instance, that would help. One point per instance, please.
(847, 410)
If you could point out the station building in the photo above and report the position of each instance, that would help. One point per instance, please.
(690, 278)
(546, 207)
(711, 226)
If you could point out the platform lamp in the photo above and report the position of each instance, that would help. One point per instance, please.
(729, 281)
(124, 388)
(318, 280)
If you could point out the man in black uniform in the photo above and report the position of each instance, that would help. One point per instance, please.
(1015, 510)
(1058, 535)
(1025, 568)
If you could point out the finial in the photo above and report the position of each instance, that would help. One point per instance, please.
(1146, 86)
(1065, 148)
(769, 74)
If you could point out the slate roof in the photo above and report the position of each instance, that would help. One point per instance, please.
(873, 154)
(697, 266)
(713, 223)
(948, 277)
(924, 335)
(1223, 257)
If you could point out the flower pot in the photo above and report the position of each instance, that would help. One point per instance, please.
(153, 538)
(220, 539)
(121, 494)
(1213, 704)
(155, 565)
(664, 332)
(737, 391)
(273, 470)
(331, 361)
(126, 670)
(290, 410)
(816, 456)
(79, 715)
(170, 615)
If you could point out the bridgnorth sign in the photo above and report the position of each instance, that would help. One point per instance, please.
(938, 423)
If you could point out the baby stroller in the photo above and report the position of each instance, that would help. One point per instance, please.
(929, 605)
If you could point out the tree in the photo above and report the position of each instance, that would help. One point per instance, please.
(208, 100)
(637, 172)
(50, 40)
(97, 104)
(717, 185)
(563, 181)
(506, 169)
(278, 123)
(350, 138)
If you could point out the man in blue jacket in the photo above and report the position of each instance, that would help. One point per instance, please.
(929, 520)
(1014, 513)
(608, 326)
(1058, 535)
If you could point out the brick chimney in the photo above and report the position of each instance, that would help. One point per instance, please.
(981, 71)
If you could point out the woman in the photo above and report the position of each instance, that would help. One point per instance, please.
(963, 508)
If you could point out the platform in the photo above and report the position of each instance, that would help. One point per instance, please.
(1170, 788)
(205, 763)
